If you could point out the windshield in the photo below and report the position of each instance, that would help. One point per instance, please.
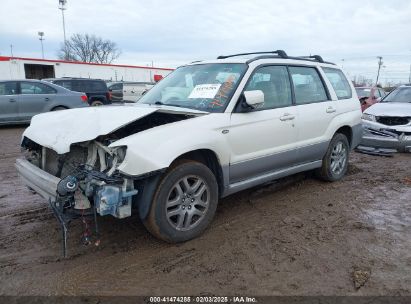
(363, 92)
(399, 95)
(205, 87)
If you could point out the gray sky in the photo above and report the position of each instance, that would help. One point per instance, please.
(175, 32)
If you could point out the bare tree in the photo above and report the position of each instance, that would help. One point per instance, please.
(89, 48)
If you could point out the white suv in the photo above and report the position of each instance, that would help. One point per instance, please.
(207, 130)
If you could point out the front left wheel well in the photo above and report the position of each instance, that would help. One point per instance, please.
(209, 159)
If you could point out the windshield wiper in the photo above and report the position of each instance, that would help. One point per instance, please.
(170, 105)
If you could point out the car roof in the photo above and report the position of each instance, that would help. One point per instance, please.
(278, 56)
(73, 78)
(26, 80)
(265, 61)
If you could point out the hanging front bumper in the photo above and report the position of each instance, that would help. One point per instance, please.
(385, 140)
(35, 178)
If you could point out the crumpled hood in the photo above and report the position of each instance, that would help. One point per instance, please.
(58, 130)
(399, 109)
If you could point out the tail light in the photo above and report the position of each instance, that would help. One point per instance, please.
(108, 95)
(84, 98)
(157, 77)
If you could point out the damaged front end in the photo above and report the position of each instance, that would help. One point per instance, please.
(86, 175)
(79, 161)
(83, 182)
(383, 135)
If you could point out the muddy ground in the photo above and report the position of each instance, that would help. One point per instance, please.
(299, 236)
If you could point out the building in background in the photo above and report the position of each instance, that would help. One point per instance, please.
(32, 68)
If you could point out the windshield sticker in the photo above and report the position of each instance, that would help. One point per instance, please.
(205, 91)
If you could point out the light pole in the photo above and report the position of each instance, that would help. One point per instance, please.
(41, 38)
(11, 50)
(62, 7)
(379, 68)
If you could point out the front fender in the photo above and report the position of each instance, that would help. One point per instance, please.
(157, 148)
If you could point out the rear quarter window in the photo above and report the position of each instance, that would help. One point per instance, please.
(96, 86)
(339, 83)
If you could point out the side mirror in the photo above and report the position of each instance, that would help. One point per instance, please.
(254, 99)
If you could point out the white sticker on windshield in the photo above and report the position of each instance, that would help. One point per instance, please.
(205, 91)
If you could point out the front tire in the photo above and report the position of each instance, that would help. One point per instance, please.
(184, 203)
(335, 161)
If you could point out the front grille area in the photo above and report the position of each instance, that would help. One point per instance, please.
(393, 121)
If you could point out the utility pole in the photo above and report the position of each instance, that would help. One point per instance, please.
(380, 63)
(62, 7)
(11, 50)
(409, 77)
(41, 38)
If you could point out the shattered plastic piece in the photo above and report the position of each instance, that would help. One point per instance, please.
(376, 151)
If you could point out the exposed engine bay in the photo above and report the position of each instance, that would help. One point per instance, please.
(90, 183)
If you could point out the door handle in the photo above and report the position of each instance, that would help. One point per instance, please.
(330, 110)
(46, 99)
(12, 100)
(287, 116)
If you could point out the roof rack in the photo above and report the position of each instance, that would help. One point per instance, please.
(316, 57)
(280, 53)
(277, 54)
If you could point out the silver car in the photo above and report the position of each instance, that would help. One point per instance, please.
(387, 124)
(20, 100)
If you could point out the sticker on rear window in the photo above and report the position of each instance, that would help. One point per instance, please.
(205, 91)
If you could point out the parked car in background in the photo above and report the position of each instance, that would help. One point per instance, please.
(366, 92)
(387, 124)
(369, 96)
(207, 130)
(133, 91)
(116, 90)
(95, 89)
(20, 100)
(128, 91)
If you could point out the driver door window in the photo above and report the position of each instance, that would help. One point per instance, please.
(274, 82)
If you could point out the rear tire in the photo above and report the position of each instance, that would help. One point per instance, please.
(96, 103)
(59, 108)
(184, 203)
(335, 161)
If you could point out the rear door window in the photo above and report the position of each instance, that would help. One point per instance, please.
(339, 83)
(308, 86)
(36, 88)
(8, 88)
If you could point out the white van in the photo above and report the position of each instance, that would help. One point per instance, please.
(132, 91)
